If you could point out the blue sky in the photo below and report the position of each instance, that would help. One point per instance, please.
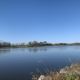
(41, 20)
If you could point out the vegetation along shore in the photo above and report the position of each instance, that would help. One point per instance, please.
(71, 72)
(34, 44)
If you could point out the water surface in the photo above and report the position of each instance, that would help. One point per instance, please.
(18, 63)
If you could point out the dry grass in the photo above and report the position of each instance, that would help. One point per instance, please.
(54, 75)
(57, 76)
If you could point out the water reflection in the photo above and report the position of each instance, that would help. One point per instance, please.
(18, 49)
(23, 49)
(47, 48)
(37, 49)
(77, 47)
(2, 51)
(21, 62)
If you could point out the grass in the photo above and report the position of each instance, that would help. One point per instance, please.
(72, 77)
(54, 75)
(59, 76)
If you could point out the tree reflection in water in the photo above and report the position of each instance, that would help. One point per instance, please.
(2, 51)
(37, 49)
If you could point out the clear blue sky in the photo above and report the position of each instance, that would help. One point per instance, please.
(41, 20)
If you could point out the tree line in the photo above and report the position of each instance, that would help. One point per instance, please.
(5, 44)
(29, 44)
(33, 44)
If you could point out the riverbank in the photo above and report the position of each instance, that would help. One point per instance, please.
(71, 72)
(35, 46)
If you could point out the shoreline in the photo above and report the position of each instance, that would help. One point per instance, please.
(35, 46)
(71, 72)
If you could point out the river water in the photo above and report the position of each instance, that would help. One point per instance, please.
(18, 63)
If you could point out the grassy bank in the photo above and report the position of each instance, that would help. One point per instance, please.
(71, 72)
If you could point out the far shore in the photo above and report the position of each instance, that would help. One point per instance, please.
(35, 46)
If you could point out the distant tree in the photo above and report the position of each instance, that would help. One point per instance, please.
(35, 43)
(45, 42)
(22, 44)
(30, 43)
(5, 44)
(41, 43)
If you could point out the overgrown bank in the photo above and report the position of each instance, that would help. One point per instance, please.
(67, 73)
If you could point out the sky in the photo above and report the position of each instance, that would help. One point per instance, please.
(53, 21)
